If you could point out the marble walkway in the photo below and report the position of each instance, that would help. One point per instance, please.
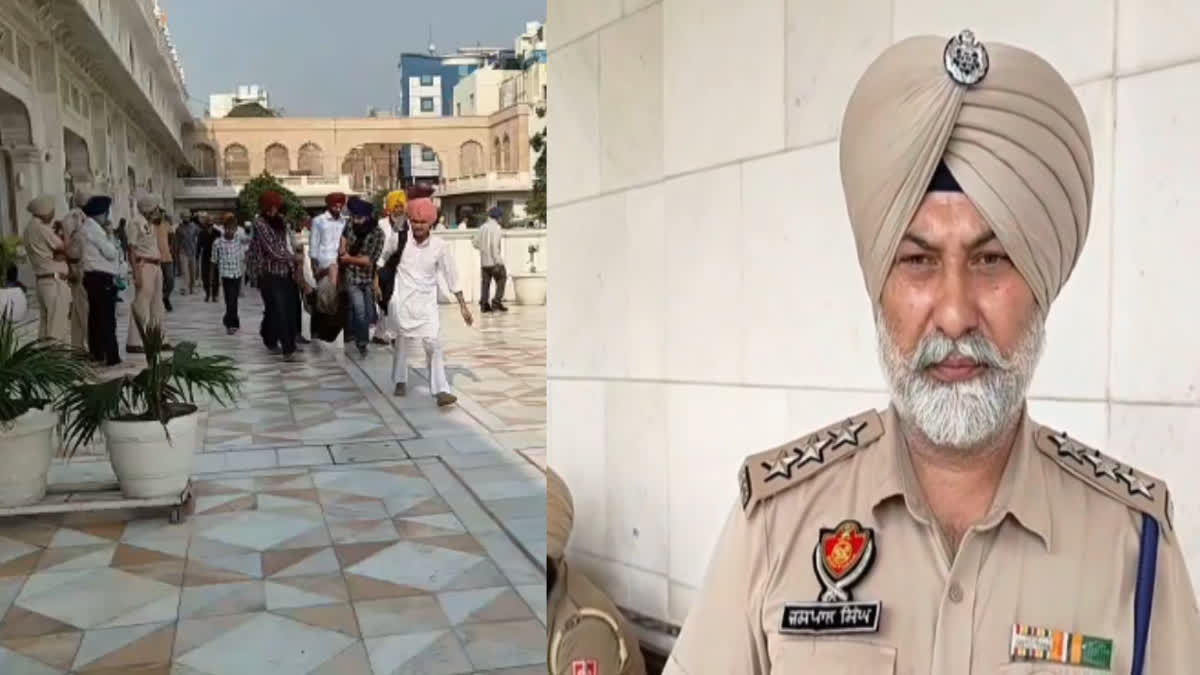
(338, 529)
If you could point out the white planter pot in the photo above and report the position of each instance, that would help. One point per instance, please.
(145, 462)
(25, 453)
(530, 288)
(13, 300)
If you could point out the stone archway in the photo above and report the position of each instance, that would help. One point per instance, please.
(78, 165)
(204, 160)
(237, 162)
(16, 133)
(277, 160)
(310, 161)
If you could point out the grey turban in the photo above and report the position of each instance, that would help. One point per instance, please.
(147, 204)
(1016, 141)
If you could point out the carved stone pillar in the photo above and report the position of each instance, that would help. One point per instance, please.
(46, 88)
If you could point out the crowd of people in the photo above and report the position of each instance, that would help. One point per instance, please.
(356, 276)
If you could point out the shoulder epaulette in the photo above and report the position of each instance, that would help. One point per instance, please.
(1139, 491)
(768, 473)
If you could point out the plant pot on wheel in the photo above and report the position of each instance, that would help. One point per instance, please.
(150, 459)
(26, 449)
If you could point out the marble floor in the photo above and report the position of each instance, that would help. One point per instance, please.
(337, 529)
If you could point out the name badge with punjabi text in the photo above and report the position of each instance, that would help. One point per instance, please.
(841, 559)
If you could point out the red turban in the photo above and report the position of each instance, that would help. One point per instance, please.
(419, 191)
(335, 198)
(422, 210)
(268, 199)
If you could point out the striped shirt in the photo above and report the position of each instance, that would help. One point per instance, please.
(269, 248)
(230, 257)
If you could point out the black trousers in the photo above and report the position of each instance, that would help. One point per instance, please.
(498, 273)
(208, 277)
(387, 286)
(280, 299)
(168, 281)
(101, 290)
(232, 288)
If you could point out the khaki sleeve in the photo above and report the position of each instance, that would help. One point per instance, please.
(590, 639)
(1174, 642)
(723, 632)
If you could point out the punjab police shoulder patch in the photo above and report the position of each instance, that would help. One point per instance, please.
(842, 557)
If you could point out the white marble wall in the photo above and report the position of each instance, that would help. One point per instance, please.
(515, 248)
(707, 299)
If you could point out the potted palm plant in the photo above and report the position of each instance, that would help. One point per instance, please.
(34, 374)
(149, 418)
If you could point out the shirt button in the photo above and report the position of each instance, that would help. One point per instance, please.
(956, 592)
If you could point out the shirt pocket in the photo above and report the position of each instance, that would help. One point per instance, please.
(835, 657)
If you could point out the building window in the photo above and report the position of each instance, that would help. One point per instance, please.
(428, 155)
(458, 109)
(426, 80)
(426, 104)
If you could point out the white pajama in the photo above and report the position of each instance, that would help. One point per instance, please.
(434, 361)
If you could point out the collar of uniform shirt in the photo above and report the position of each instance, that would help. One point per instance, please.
(1021, 493)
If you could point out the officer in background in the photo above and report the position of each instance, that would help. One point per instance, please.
(951, 534)
(587, 634)
(146, 249)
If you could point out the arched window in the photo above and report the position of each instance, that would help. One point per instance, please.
(470, 158)
(310, 160)
(204, 159)
(237, 162)
(506, 154)
(277, 160)
(496, 154)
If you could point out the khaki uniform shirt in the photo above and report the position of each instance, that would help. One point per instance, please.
(40, 244)
(587, 634)
(1058, 551)
(163, 231)
(144, 240)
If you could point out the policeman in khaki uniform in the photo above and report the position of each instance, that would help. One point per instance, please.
(587, 634)
(951, 534)
(72, 224)
(145, 260)
(48, 257)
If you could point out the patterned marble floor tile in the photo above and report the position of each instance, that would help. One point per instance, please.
(376, 566)
(259, 643)
(504, 644)
(432, 652)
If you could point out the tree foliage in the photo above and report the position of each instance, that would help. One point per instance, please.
(536, 206)
(251, 109)
(247, 199)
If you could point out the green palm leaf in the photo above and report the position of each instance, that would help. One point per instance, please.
(35, 373)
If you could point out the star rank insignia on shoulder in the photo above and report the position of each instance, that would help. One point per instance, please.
(1140, 492)
(766, 474)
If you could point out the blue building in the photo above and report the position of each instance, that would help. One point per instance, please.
(427, 90)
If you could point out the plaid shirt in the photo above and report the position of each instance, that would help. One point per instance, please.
(371, 246)
(269, 251)
(229, 254)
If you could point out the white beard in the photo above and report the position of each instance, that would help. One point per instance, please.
(962, 415)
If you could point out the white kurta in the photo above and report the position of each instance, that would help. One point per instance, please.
(325, 238)
(413, 309)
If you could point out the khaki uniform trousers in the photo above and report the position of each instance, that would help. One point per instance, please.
(54, 296)
(79, 313)
(147, 303)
